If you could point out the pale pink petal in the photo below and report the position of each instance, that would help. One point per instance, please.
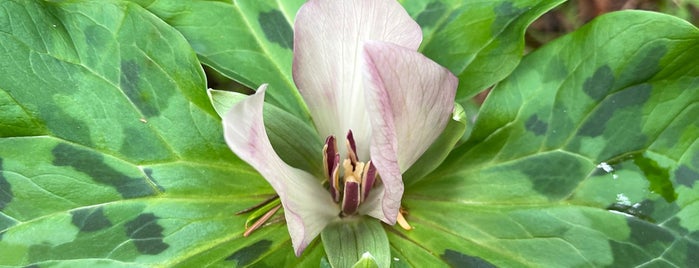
(308, 207)
(410, 99)
(327, 67)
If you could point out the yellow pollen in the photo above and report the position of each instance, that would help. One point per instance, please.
(352, 173)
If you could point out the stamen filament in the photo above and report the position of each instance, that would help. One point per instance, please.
(402, 221)
(265, 202)
(261, 221)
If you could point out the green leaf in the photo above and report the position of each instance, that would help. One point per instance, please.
(439, 149)
(249, 41)
(586, 155)
(111, 154)
(296, 142)
(348, 242)
(479, 41)
(110, 151)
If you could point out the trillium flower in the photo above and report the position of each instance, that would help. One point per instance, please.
(357, 68)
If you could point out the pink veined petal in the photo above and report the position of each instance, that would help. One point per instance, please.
(410, 99)
(308, 207)
(327, 67)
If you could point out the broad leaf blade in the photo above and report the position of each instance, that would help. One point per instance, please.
(585, 156)
(112, 153)
(251, 41)
(479, 41)
(248, 41)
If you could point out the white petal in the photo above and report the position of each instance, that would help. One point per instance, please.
(328, 38)
(410, 99)
(308, 207)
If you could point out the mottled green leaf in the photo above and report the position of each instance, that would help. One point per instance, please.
(111, 154)
(248, 41)
(587, 155)
(479, 41)
(440, 148)
(252, 41)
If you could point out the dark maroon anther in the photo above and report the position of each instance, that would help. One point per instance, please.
(352, 147)
(368, 179)
(350, 200)
(350, 138)
(329, 151)
(331, 163)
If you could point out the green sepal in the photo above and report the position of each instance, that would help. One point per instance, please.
(297, 143)
(440, 148)
(346, 243)
(367, 261)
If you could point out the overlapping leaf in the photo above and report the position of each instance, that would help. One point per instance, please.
(251, 41)
(587, 155)
(111, 153)
(248, 41)
(479, 41)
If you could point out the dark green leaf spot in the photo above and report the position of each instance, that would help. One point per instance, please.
(643, 67)
(535, 125)
(97, 36)
(277, 28)
(550, 174)
(92, 164)
(247, 255)
(658, 177)
(133, 141)
(458, 259)
(90, 219)
(674, 224)
(505, 14)
(645, 233)
(433, 11)
(692, 249)
(130, 79)
(686, 176)
(2, 233)
(695, 159)
(600, 84)
(556, 70)
(645, 241)
(596, 123)
(146, 234)
(63, 125)
(6, 195)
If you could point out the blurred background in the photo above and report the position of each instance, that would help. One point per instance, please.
(574, 13)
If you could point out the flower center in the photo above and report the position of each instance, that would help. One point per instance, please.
(357, 177)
